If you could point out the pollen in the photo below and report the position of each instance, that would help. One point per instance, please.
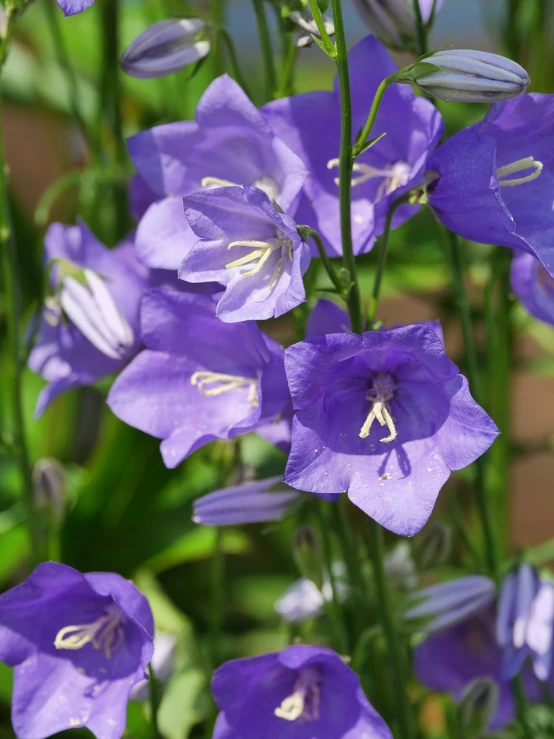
(105, 633)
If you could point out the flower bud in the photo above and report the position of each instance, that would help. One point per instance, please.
(478, 705)
(306, 27)
(165, 47)
(394, 21)
(467, 76)
(307, 554)
(49, 485)
(433, 546)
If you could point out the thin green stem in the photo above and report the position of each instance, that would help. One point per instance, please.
(353, 564)
(225, 36)
(13, 372)
(522, 708)
(382, 257)
(366, 131)
(154, 699)
(461, 528)
(286, 80)
(308, 232)
(219, 8)
(333, 606)
(421, 28)
(345, 171)
(397, 657)
(267, 50)
(320, 23)
(216, 612)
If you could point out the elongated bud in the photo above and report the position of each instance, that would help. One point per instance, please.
(467, 76)
(394, 21)
(433, 546)
(307, 555)
(477, 707)
(50, 489)
(166, 47)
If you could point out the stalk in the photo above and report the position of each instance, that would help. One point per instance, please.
(267, 50)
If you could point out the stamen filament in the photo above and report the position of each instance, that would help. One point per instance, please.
(224, 383)
(521, 165)
(105, 633)
(216, 182)
(262, 251)
(395, 176)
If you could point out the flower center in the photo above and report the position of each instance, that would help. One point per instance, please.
(264, 183)
(211, 384)
(505, 173)
(105, 633)
(304, 701)
(261, 252)
(379, 395)
(395, 176)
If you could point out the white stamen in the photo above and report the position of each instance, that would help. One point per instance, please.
(515, 168)
(105, 633)
(212, 384)
(262, 251)
(209, 182)
(379, 395)
(395, 176)
(304, 701)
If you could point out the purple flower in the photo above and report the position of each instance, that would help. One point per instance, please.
(384, 416)
(79, 643)
(249, 247)
(89, 326)
(303, 600)
(449, 603)
(533, 286)
(72, 7)
(249, 502)
(301, 692)
(525, 622)
(162, 664)
(450, 659)
(493, 181)
(310, 125)
(198, 379)
(229, 143)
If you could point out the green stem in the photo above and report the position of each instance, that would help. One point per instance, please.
(366, 131)
(287, 73)
(333, 607)
(225, 36)
(345, 171)
(154, 699)
(461, 527)
(267, 50)
(53, 15)
(382, 257)
(217, 577)
(218, 19)
(307, 232)
(353, 564)
(421, 29)
(522, 708)
(320, 23)
(13, 372)
(397, 657)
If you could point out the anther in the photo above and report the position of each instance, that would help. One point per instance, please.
(262, 251)
(105, 633)
(521, 165)
(304, 702)
(395, 176)
(211, 384)
(379, 395)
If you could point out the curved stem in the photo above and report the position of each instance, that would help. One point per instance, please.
(421, 29)
(345, 171)
(382, 256)
(364, 135)
(225, 36)
(267, 51)
(320, 23)
(397, 657)
(307, 232)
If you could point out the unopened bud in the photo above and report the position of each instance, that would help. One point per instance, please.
(166, 47)
(478, 705)
(433, 546)
(307, 555)
(50, 488)
(306, 27)
(468, 76)
(394, 21)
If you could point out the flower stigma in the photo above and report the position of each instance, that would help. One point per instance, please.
(304, 701)
(395, 176)
(105, 633)
(264, 183)
(262, 251)
(379, 395)
(522, 165)
(212, 384)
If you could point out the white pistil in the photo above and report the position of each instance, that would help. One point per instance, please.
(395, 176)
(105, 633)
(262, 250)
(379, 395)
(522, 165)
(212, 384)
(304, 701)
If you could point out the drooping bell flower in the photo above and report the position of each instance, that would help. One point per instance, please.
(72, 7)
(310, 124)
(249, 502)
(89, 326)
(525, 622)
(249, 247)
(384, 416)
(300, 692)
(533, 286)
(198, 379)
(79, 643)
(228, 143)
(166, 47)
(468, 76)
(492, 182)
(394, 21)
